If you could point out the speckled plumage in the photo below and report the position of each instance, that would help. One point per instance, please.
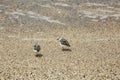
(36, 47)
(63, 42)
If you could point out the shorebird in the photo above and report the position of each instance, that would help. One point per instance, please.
(36, 48)
(63, 42)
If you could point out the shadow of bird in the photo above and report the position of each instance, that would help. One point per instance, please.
(38, 55)
(66, 50)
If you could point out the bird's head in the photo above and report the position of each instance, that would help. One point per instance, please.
(36, 44)
(59, 38)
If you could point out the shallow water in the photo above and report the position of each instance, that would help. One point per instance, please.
(57, 12)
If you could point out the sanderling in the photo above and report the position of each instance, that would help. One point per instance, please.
(36, 48)
(63, 42)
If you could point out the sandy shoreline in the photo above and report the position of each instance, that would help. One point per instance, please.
(91, 27)
(92, 56)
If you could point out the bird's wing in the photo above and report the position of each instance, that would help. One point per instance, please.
(38, 48)
(65, 42)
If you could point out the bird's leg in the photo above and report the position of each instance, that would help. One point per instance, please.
(35, 53)
(62, 47)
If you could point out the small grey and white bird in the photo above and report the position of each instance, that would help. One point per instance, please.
(36, 48)
(63, 42)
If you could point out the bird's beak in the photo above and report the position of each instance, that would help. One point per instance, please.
(57, 38)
